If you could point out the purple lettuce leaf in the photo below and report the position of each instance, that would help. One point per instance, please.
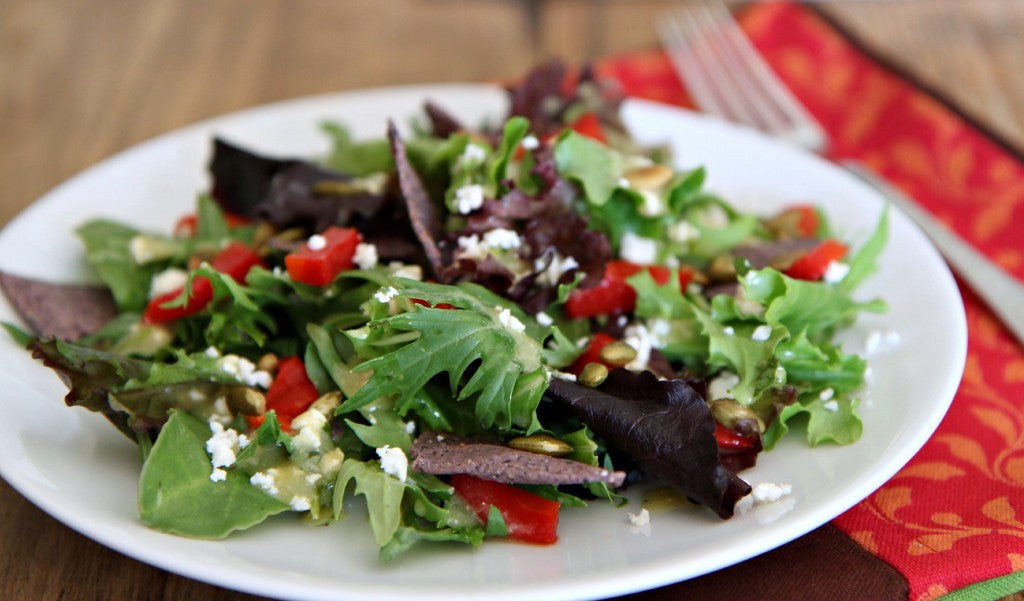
(665, 425)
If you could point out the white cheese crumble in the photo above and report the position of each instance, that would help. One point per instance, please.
(682, 232)
(831, 406)
(385, 296)
(827, 394)
(835, 272)
(728, 330)
(212, 352)
(555, 269)
(366, 255)
(307, 440)
(393, 462)
(530, 142)
(244, 370)
(544, 319)
(638, 249)
(222, 445)
(167, 281)
(469, 198)
(316, 242)
(508, 321)
(761, 333)
(300, 504)
(640, 519)
(218, 475)
(503, 238)
(473, 154)
(719, 386)
(640, 338)
(265, 482)
(763, 493)
(652, 205)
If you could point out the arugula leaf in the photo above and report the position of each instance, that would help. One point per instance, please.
(589, 163)
(356, 158)
(508, 378)
(405, 537)
(176, 494)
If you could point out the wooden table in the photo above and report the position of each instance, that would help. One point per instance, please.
(81, 80)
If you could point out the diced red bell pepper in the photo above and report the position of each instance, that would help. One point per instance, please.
(589, 125)
(319, 266)
(613, 295)
(813, 265)
(235, 260)
(290, 393)
(806, 217)
(530, 518)
(593, 353)
(423, 303)
(732, 440)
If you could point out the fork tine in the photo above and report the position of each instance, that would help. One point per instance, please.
(729, 78)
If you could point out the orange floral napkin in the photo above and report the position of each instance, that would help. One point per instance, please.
(951, 522)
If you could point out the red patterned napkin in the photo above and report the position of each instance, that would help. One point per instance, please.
(954, 516)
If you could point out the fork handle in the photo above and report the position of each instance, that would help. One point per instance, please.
(1003, 293)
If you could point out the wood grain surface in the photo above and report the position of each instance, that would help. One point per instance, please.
(80, 80)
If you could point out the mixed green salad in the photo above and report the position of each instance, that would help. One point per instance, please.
(467, 328)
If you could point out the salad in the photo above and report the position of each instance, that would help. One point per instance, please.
(468, 328)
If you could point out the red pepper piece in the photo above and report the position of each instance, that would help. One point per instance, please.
(589, 125)
(813, 264)
(732, 440)
(319, 266)
(235, 260)
(530, 518)
(613, 295)
(806, 219)
(291, 393)
(593, 353)
(423, 303)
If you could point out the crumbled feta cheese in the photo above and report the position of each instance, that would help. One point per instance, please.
(312, 479)
(835, 272)
(719, 386)
(556, 267)
(714, 216)
(167, 281)
(393, 462)
(366, 255)
(652, 205)
(211, 352)
(469, 198)
(562, 375)
(544, 319)
(330, 462)
(222, 445)
(243, 441)
(265, 482)
(763, 493)
(831, 406)
(640, 519)
(638, 249)
(316, 242)
(639, 337)
(470, 247)
(218, 475)
(682, 232)
(300, 504)
(660, 329)
(410, 427)
(827, 394)
(502, 238)
(728, 330)
(385, 296)
(244, 370)
(766, 492)
(530, 142)
(307, 440)
(761, 333)
(623, 182)
(473, 154)
(508, 321)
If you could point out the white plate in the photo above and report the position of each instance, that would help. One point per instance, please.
(75, 466)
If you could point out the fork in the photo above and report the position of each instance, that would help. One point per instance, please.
(727, 77)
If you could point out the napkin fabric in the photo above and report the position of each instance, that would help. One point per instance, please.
(951, 523)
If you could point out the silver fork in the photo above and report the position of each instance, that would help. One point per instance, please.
(727, 77)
